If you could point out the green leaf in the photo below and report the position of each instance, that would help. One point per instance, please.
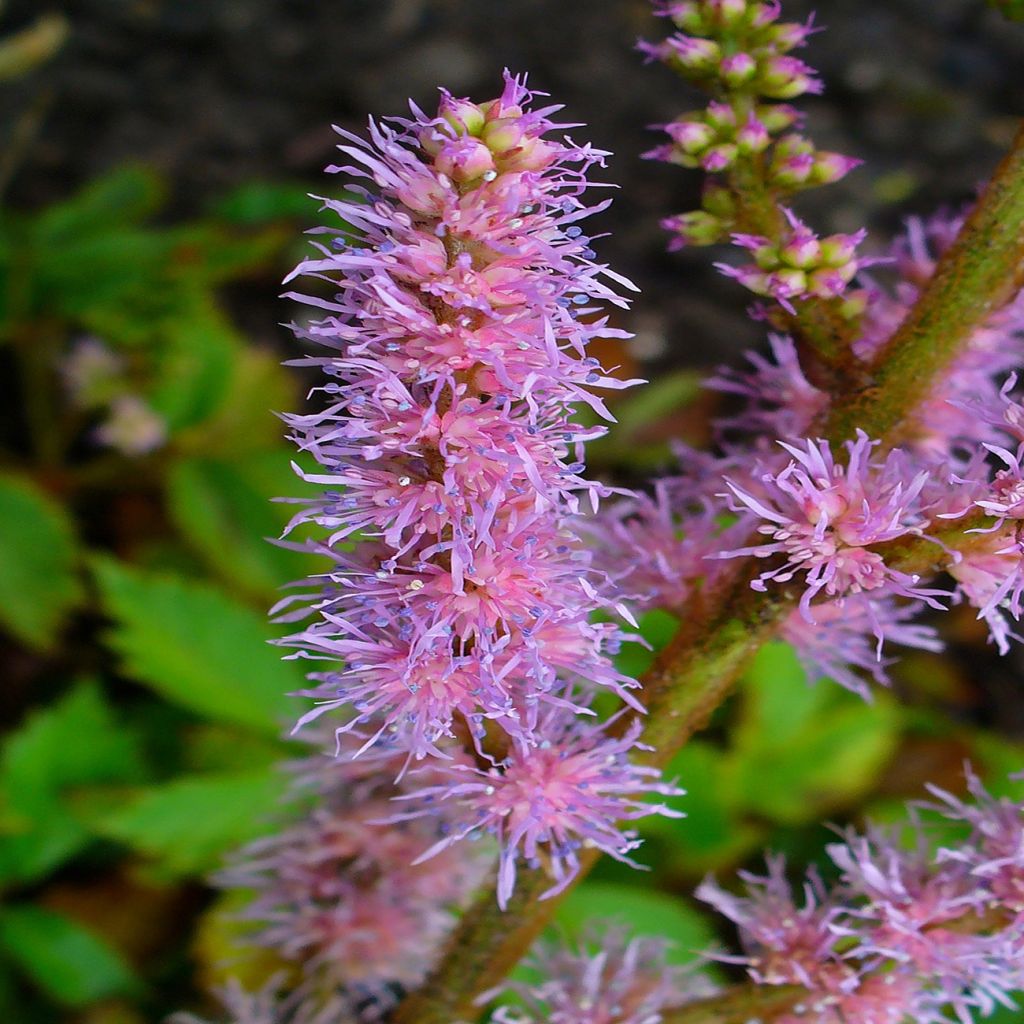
(74, 742)
(713, 835)
(197, 647)
(257, 202)
(38, 582)
(194, 363)
(64, 959)
(801, 751)
(224, 511)
(645, 913)
(189, 824)
(122, 198)
(244, 421)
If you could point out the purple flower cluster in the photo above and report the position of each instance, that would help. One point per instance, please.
(830, 520)
(905, 934)
(459, 296)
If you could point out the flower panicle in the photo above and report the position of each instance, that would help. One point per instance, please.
(454, 306)
(748, 141)
(905, 933)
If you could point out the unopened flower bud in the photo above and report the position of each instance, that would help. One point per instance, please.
(789, 35)
(726, 13)
(753, 137)
(789, 282)
(685, 14)
(464, 159)
(691, 136)
(694, 56)
(466, 118)
(531, 155)
(777, 117)
(803, 250)
(783, 78)
(738, 69)
(829, 167)
(721, 116)
(792, 171)
(502, 134)
(837, 250)
(695, 228)
(719, 157)
(828, 282)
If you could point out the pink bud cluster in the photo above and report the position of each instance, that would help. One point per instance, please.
(740, 52)
(458, 298)
(799, 265)
(906, 933)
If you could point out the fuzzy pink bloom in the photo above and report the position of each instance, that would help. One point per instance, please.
(844, 643)
(336, 892)
(780, 401)
(608, 979)
(994, 852)
(785, 943)
(573, 789)
(823, 517)
(462, 295)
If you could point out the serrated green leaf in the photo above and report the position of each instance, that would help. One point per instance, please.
(74, 742)
(197, 647)
(188, 825)
(223, 509)
(64, 959)
(38, 580)
(645, 913)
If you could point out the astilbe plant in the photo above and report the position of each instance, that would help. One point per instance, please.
(870, 470)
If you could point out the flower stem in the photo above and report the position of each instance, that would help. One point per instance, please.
(980, 273)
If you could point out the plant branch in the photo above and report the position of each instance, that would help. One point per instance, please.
(979, 274)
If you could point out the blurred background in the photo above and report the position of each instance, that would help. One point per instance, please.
(155, 160)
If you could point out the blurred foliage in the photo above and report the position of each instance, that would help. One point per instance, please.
(1013, 9)
(138, 457)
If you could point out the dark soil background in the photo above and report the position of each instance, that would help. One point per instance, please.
(217, 92)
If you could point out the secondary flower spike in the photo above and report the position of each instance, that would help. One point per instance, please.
(458, 296)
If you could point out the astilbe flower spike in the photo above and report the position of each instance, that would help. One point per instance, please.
(461, 297)
(459, 343)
